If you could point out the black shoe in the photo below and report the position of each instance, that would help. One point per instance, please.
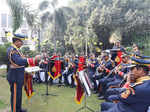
(60, 82)
(101, 98)
(23, 110)
(95, 92)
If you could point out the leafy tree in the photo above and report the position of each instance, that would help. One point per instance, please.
(54, 22)
(3, 53)
(129, 16)
(90, 21)
(27, 52)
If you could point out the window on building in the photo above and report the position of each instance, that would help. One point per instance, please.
(3, 20)
(9, 21)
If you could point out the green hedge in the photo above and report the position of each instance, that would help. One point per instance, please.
(3, 53)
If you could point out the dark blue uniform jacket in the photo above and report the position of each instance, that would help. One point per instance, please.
(17, 64)
(136, 98)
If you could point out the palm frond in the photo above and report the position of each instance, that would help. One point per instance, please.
(17, 13)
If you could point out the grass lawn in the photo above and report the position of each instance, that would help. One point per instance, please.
(2, 105)
(63, 102)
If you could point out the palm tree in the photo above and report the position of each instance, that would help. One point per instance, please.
(17, 13)
(57, 17)
(40, 19)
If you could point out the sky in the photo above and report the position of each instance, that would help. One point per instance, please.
(35, 3)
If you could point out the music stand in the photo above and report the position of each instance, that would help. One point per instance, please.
(46, 80)
(85, 106)
(87, 91)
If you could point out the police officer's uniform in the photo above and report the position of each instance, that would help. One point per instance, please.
(135, 98)
(15, 75)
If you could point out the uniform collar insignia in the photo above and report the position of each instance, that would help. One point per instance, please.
(142, 79)
(13, 45)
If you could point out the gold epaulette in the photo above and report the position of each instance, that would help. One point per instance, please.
(13, 65)
(135, 84)
(13, 52)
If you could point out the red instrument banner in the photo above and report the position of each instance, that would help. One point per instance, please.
(28, 87)
(56, 69)
(79, 91)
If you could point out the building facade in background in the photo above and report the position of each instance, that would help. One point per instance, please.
(6, 25)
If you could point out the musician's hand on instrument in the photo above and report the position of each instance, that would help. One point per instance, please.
(93, 75)
(130, 78)
(99, 68)
(103, 67)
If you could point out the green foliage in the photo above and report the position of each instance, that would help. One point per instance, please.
(2, 105)
(3, 53)
(27, 52)
(143, 42)
(129, 16)
(48, 47)
(93, 21)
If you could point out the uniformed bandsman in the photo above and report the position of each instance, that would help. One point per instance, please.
(136, 97)
(92, 66)
(15, 75)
